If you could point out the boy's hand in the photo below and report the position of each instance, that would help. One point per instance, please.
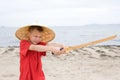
(58, 51)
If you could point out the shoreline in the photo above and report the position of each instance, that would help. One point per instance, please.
(88, 46)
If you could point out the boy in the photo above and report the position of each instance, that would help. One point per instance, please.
(33, 45)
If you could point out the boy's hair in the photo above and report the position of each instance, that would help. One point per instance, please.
(33, 27)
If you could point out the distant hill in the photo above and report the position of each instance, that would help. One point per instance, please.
(102, 25)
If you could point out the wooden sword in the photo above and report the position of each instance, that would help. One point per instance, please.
(67, 49)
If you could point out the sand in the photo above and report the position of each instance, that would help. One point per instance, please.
(90, 63)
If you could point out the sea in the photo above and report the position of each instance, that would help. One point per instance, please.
(68, 35)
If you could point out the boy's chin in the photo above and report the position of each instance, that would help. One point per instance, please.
(35, 43)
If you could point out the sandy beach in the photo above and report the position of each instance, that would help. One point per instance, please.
(89, 63)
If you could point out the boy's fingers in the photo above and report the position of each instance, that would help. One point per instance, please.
(61, 49)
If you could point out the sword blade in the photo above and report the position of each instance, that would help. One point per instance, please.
(90, 43)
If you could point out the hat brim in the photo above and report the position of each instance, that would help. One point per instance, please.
(47, 33)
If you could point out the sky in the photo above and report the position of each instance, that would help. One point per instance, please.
(59, 12)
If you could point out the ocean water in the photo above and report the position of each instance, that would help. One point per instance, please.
(69, 35)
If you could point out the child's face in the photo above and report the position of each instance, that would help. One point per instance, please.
(34, 36)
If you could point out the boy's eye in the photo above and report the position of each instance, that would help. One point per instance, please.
(37, 36)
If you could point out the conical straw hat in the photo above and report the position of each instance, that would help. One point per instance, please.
(47, 33)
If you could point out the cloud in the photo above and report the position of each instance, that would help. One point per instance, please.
(29, 5)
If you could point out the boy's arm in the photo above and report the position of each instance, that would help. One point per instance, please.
(55, 45)
(40, 48)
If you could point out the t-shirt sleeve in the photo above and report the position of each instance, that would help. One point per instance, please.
(43, 53)
(24, 47)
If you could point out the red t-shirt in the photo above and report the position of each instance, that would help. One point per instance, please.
(30, 62)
